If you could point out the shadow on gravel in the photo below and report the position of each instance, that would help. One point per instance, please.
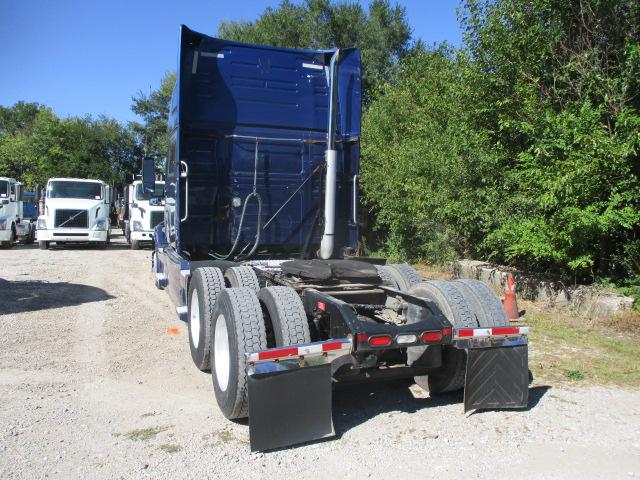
(30, 296)
(356, 404)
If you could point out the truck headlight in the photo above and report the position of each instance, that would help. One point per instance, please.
(3, 223)
(137, 226)
(42, 224)
(100, 225)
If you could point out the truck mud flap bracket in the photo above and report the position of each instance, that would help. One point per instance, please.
(290, 394)
(497, 374)
(496, 377)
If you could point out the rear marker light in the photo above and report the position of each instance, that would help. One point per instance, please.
(406, 338)
(446, 331)
(322, 306)
(505, 331)
(326, 347)
(362, 338)
(276, 353)
(380, 340)
(429, 337)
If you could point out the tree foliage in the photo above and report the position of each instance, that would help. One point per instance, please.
(153, 108)
(382, 32)
(35, 145)
(522, 146)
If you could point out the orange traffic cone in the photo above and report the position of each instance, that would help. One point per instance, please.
(509, 302)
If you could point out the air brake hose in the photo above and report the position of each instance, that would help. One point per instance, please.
(237, 240)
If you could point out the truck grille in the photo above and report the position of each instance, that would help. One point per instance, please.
(73, 219)
(156, 218)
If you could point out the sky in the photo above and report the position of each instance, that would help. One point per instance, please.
(91, 56)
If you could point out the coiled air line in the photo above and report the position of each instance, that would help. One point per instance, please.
(253, 194)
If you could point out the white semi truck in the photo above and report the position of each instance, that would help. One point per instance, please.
(14, 225)
(143, 211)
(75, 211)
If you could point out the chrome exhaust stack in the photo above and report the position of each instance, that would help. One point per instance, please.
(331, 157)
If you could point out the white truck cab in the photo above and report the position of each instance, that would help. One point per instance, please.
(144, 210)
(75, 210)
(13, 224)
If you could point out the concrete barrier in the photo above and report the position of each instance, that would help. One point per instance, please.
(590, 301)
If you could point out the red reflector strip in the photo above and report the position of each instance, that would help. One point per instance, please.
(431, 337)
(380, 341)
(326, 347)
(446, 331)
(491, 332)
(278, 353)
(505, 331)
(362, 338)
(322, 306)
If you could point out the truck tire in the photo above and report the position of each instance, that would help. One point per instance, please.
(42, 245)
(404, 275)
(242, 277)
(453, 304)
(485, 303)
(135, 245)
(387, 277)
(204, 289)
(9, 243)
(237, 328)
(285, 314)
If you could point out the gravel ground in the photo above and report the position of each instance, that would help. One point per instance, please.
(96, 381)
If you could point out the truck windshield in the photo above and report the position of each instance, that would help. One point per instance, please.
(158, 192)
(85, 190)
(4, 189)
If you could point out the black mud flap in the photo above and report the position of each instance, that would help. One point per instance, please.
(290, 407)
(496, 377)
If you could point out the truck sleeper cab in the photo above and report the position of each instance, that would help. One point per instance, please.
(75, 211)
(15, 223)
(260, 220)
(143, 212)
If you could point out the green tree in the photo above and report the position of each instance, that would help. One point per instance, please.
(35, 145)
(382, 32)
(522, 146)
(560, 93)
(152, 132)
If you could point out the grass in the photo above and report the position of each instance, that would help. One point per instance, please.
(434, 272)
(170, 447)
(145, 434)
(566, 348)
(225, 436)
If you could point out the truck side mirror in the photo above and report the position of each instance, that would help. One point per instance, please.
(148, 175)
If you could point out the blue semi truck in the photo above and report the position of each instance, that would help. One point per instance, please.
(257, 251)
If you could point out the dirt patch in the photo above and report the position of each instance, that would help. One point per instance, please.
(79, 373)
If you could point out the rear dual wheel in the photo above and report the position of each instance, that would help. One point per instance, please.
(242, 277)
(242, 323)
(399, 275)
(206, 285)
(237, 328)
(465, 303)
